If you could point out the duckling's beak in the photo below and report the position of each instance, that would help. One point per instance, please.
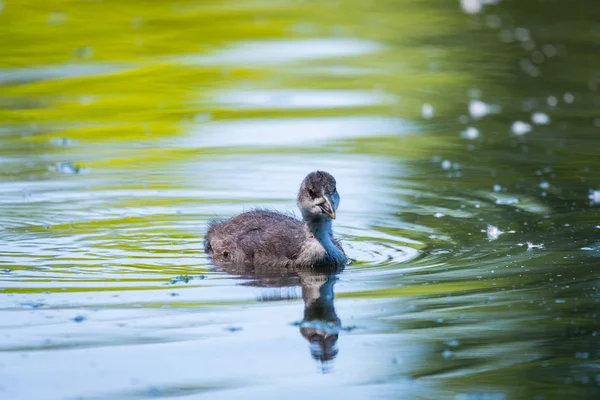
(327, 207)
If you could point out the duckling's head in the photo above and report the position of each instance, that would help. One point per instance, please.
(318, 197)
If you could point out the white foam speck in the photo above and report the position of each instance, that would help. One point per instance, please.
(595, 196)
(470, 133)
(540, 118)
(544, 185)
(552, 101)
(507, 201)
(520, 128)
(471, 6)
(439, 215)
(493, 232)
(427, 111)
(478, 109)
(531, 246)
(475, 6)
(446, 165)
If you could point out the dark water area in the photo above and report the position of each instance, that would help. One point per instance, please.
(465, 140)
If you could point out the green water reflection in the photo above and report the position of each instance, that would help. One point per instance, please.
(465, 146)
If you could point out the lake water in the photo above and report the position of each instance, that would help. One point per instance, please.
(465, 140)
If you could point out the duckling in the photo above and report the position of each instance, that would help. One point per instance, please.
(273, 240)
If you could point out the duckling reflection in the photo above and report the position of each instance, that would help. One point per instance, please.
(321, 325)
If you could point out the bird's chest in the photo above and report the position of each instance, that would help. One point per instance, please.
(322, 251)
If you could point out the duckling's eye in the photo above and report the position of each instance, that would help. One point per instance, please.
(312, 193)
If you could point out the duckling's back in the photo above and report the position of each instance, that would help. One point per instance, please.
(256, 237)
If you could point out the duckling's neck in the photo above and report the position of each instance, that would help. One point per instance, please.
(320, 228)
(323, 248)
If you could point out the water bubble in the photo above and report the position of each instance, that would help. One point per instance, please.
(593, 86)
(446, 165)
(569, 98)
(497, 188)
(493, 21)
(202, 118)
(537, 57)
(84, 52)
(549, 50)
(447, 353)
(528, 45)
(474, 93)
(552, 101)
(305, 28)
(453, 343)
(136, 22)
(56, 18)
(470, 133)
(439, 215)
(520, 128)
(528, 67)
(87, 100)
(522, 34)
(544, 185)
(427, 111)
(506, 36)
